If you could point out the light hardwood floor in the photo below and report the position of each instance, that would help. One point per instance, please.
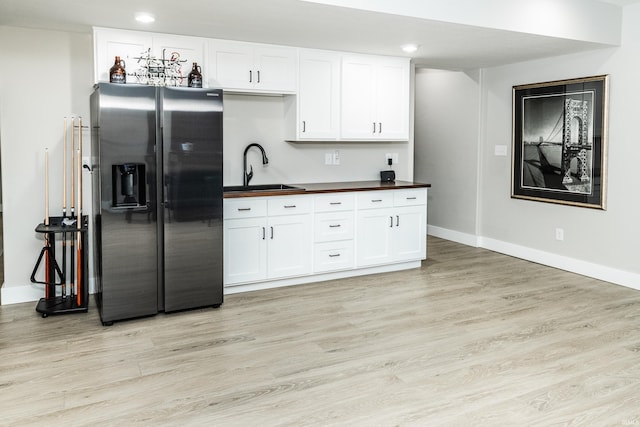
(472, 338)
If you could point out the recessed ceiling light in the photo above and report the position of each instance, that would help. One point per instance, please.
(145, 18)
(410, 48)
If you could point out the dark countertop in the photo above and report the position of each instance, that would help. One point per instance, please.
(329, 187)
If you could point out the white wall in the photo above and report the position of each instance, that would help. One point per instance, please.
(51, 77)
(446, 134)
(603, 244)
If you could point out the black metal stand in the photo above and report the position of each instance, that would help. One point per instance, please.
(76, 301)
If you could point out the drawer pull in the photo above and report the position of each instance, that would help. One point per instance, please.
(289, 206)
(376, 200)
(411, 198)
(264, 234)
(243, 209)
(334, 255)
(335, 203)
(334, 225)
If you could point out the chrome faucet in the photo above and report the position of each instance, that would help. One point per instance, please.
(248, 175)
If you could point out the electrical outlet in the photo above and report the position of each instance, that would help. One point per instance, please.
(336, 157)
(391, 156)
(559, 234)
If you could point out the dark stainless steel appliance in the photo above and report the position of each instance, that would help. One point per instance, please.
(157, 199)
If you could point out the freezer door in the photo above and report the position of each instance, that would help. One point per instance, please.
(192, 193)
(126, 223)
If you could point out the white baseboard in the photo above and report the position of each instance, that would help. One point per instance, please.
(21, 293)
(321, 277)
(16, 294)
(454, 236)
(584, 268)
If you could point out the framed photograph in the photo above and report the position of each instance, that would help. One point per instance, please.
(560, 142)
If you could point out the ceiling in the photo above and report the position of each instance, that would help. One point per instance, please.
(305, 24)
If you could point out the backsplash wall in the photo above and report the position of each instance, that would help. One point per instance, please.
(260, 119)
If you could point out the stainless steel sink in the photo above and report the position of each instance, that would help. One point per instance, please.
(260, 187)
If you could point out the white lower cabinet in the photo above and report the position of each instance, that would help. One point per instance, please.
(391, 227)
(334, 226)
(273, 238)
(289, 246)
(245, 250)
(266, 238)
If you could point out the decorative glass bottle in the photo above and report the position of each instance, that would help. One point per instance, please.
(195, 76)
(117, 73)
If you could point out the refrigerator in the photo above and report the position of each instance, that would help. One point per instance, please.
(157, 199)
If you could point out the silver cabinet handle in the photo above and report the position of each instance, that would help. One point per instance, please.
(271, 233)
(258, 76)
(289, 206)
(390, 222)
(411, 198)
(304, 126)
(250, 76)
(374, 127)
(334, 226)
(333, 255)
(380, 127)
(264, 233)
(376, 200)
(243, 209)
(335, 203)
(397, 220)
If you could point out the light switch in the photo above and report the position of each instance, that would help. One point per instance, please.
(500, 150)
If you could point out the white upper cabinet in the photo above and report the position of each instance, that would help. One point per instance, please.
(251, 67)
(318, 98)
(133, 45)
(187, 50)
(108, 44)
(375, 98)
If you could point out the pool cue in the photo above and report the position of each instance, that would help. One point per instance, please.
(72, 288)
(79, 223)
(47, 243)
(64, 210)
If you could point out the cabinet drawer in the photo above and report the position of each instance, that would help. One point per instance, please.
(410, 197)
(331, 226)
(335, 202)
(289, 205)
(244, 207)
(375, 199)
(332, 256)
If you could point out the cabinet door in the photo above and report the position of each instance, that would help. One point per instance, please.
(318, 95)
(188, 49)
(392, 99)
(358, 97)
(409, 235)
(289, 238)
(128, 45)
(274, 69)
(245, 250)
(233, 64)
(374, 234)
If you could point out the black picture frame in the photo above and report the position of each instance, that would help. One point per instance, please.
(559, 150)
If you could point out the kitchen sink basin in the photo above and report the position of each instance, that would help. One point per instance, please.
(260, 187)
